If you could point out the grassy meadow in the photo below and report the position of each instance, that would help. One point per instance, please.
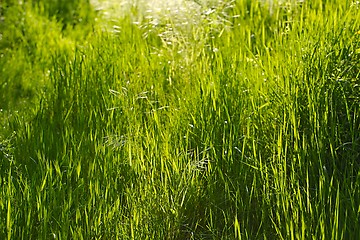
(243, 123)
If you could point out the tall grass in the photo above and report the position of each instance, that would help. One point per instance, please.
(242, 126)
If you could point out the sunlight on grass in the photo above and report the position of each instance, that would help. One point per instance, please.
(216, 120)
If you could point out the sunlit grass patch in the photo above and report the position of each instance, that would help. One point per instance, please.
(241, 125)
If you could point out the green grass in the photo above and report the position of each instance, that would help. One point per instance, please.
(245, 126)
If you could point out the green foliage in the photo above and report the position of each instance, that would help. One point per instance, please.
(30, 36)
(245, 127)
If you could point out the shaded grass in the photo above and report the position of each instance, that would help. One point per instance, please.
(134, 139)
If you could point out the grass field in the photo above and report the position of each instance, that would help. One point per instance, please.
(241, 124)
